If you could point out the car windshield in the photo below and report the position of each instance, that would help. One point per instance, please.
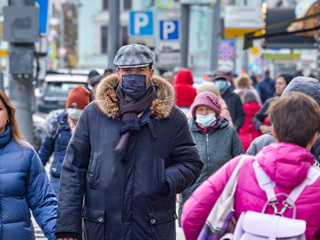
(61, 88)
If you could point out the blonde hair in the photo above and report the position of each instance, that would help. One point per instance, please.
(243, 81)
(208, 87)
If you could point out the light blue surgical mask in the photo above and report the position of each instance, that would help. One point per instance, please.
(221, 84)
(206, 120)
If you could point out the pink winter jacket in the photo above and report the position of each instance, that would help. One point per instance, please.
(286, 164)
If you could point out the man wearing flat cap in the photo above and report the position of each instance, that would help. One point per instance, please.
(131, 153)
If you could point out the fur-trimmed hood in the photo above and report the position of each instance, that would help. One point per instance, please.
(161, 108)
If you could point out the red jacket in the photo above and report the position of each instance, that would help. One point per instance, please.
(247, 132)
(185, 92)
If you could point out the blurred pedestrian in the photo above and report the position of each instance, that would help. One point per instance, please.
(299, 73)
(24, 184)
(169, 77)
(216, 141)
(94, 82)
(131, 153)
(91, 74)
(233, 100)
(306, 85)
(286, 162)
(185, 92)
(243, 84)
(107, 72)
(255, 84)
(260, 119)
(282, 82)
(60, 126)
(267, 86)
(248, 132)
(230, 78)
(211, 87)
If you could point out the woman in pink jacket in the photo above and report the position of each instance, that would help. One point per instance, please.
(295, 122)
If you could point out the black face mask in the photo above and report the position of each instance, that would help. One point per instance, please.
(134, 85)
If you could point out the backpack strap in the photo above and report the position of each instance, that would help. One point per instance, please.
(268, 185)
(264, 181)
(312, 176)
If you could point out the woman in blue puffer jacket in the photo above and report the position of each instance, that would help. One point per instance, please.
(24, 184)
(59, 128)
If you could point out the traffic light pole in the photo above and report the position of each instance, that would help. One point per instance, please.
(61, 57)
(20, 88)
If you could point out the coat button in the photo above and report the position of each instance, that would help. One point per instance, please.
(54, 169)
(100, 219)
(153, 221)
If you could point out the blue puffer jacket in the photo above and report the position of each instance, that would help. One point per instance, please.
(56, 140)
(24, 185)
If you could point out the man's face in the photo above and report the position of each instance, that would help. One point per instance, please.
(137, 70)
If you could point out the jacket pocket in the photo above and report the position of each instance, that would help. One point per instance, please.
(94, 223)
(93, 168)
(163, 225)
(161, 176)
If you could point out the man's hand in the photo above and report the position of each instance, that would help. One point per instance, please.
(265, 129)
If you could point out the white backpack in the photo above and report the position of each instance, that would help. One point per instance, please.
(259, 226)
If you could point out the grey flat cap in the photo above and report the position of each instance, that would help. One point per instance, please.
(134, 55)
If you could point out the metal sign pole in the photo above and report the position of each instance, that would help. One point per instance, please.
(113, 31)
(215, 37)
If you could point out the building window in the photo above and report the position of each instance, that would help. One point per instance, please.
(127, 4)
(105, 4)
(104, 39)
(124, 36)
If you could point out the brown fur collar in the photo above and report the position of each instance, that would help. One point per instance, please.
(161, 108)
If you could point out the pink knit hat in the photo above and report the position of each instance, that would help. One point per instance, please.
(208, 99)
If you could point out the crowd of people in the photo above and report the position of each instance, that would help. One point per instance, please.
(133, 144)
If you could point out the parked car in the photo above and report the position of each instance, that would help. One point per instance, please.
(55, 90)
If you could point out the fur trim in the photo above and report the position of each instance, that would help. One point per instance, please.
(52, 125)
(161, 108)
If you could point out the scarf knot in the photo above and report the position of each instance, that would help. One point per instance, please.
(129, 110)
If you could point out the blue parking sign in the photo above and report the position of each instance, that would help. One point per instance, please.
(43, 15)
(141, 23)
(169, 30)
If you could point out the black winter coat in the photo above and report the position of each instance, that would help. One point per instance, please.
(235, 107)
(135, 199)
